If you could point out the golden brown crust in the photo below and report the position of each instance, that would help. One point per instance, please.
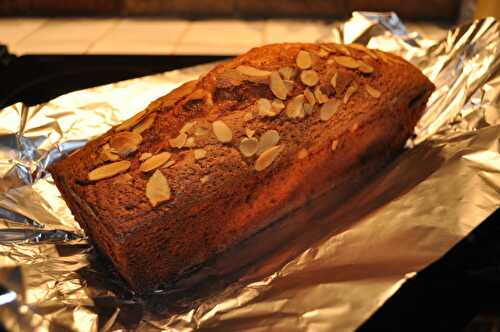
(217, 196)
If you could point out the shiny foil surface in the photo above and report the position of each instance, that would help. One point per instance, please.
(323, 268)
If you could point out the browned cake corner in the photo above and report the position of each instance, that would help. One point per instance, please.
(219, 158)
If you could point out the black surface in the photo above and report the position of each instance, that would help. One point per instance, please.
(33, 79)
(446, 296)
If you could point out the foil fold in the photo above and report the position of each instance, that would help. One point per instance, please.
(324, 268)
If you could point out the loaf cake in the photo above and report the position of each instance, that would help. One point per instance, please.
(221, 157)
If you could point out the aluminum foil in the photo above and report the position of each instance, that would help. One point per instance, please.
(324, 268)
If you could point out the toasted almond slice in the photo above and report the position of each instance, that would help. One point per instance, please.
(277, 86)
(289, 86)
(125, 142)
(109, 170)
(329, 109)
(251, 71)
(204, 179)
(320, 96)
(350, 91)
(334, 145)
(309, 96)
(199, 153)
(190, 142)
(330, 62)
(373, 92)
(248, 146)
(354, 127)
(221, 131)
(145, 155)
(187, 127)
(343, 49)
(145, 124)
(179, 141)
(267, 157)
(264, 107)
(303, 153)
(157, 188)
(322, 53)
(303, 60)
(168, 164)
(127, 124)
(268, 139)
(365, 68)
(347, 61)
(309, 77)
(277, 105)
(308, 109)
(249, 132)
(328, 48)
(200, 131)
(287, 73)
(155, 161)
(107, 154)
(248, 116)
(295, 107)
(333, 80)
(123, 179)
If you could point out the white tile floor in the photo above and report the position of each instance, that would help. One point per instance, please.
(152, 36)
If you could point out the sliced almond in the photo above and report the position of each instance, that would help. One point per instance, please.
(145, 155)
(125, 142)
(222, 132)
(354, 127)
(249, 132)
(251, 71)
(321, 98)
(248, 117)
(200, 131)
(287, 73)
(322, 53)
(248, 146)
(330, 62)
(364, 49)
(289, 86)
(333, 80)
(334, 145)
(350, 91)
(107, 154)
(303, 60)
(145, 124)
(264, 107)
(373, 92)
(199, 153)
(329, 109)
(204, 179)
(343, 49)
(123, 179)
(179, 141)
(109, 170)
(190, 142)
(277, 86)
(157, 188)
(268, 139)
(365, 68)
(347, 61)
(308, 109)
(295, 107)
(187, 127)
(155, 161)
(309, 96)
(309, 77)
(277, 105)
(328, 48)
(127, 124)
(303, 153)
(168, 164)
(267, 157)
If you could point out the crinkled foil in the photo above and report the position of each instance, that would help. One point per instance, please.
(324, 268)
